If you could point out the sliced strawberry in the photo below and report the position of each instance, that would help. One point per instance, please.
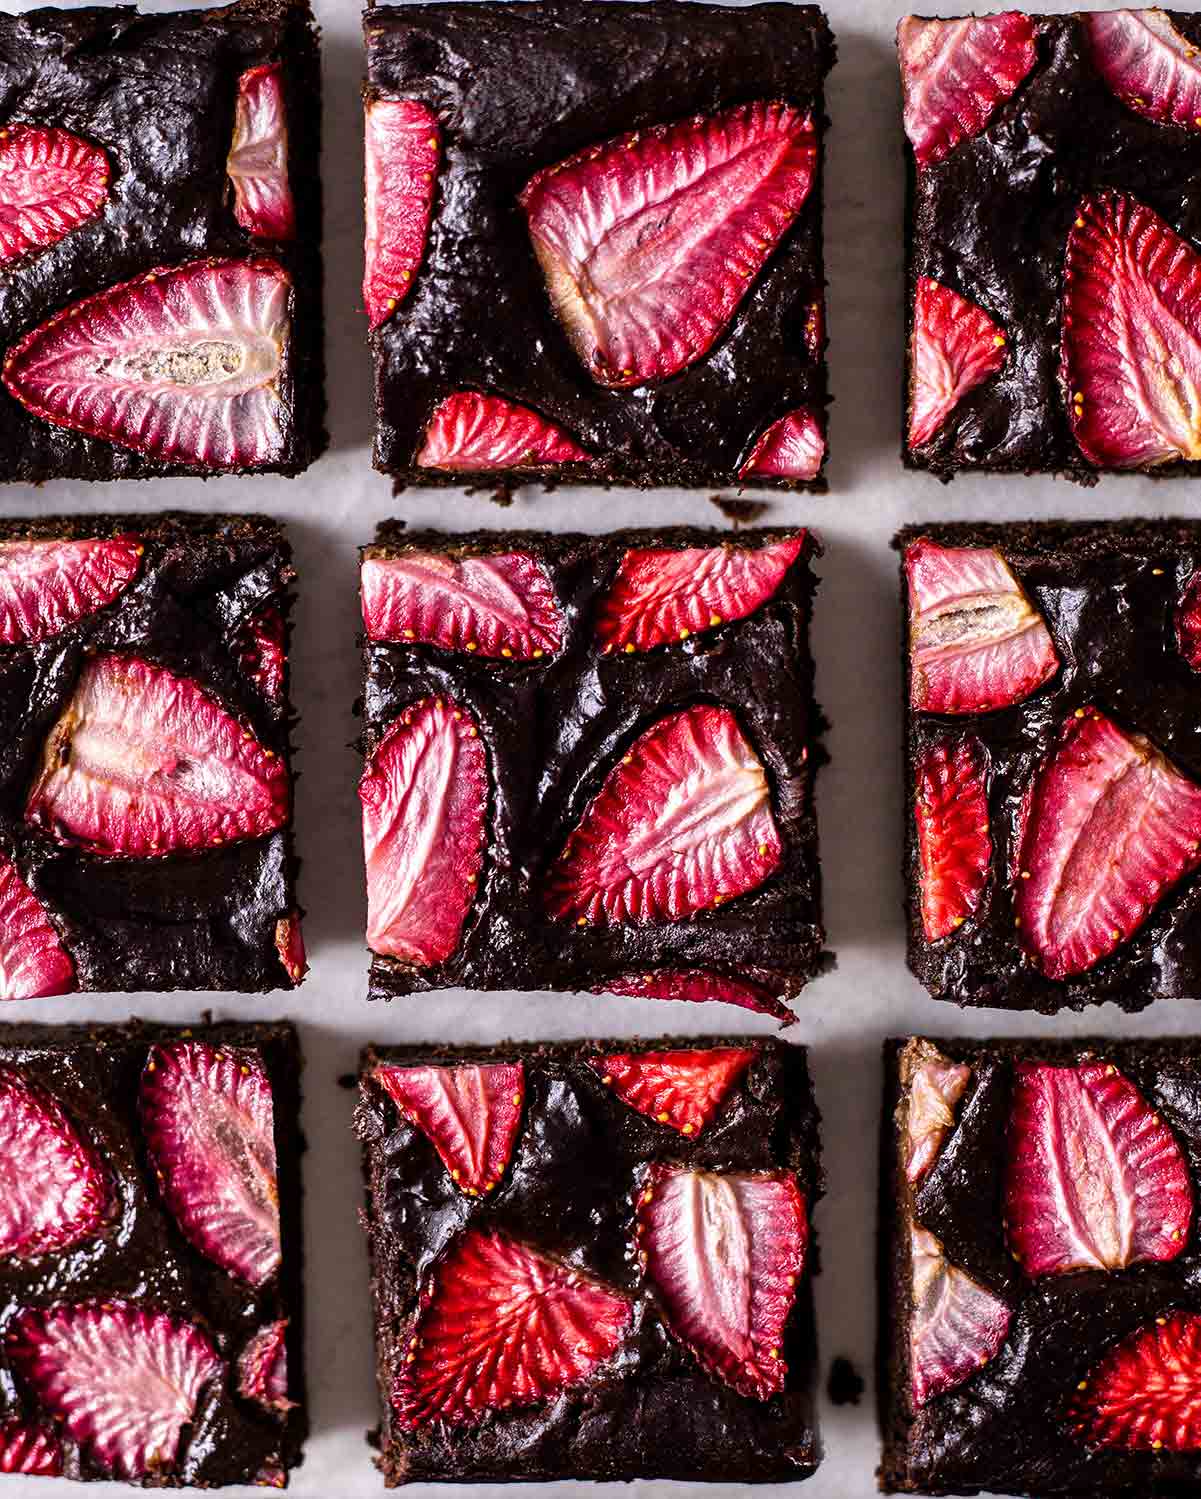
(183, 364)
(956, 74)
(503, 605)
(209, 1121)
(25, 1448)
(649, 242)
(501, 1325)
(33, 962)
(289, 944)
(143, 763)
(794, 447)
(1130, 359)
(698, 986)
(954, 347)
(682, 1089)
(261, 648)
(976, 642)
(258, 156)
(470, 433)
(950, 806)
(1111, 827)
(471, 1115)
(51, 182)
(424, 793)
(1146, 62)
(263, 1368)
(402, 167)
(123, 1381)
(682, 823)
(956, 1325)
(46, 586)
(660, 595)
(1188, 622)
(724, 1251)
(54, 1192)
(1096, 1180)
(1146, 1392)
(934, 1086)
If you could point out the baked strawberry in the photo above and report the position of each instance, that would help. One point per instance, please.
(976, 642)
(794, 447)
(263, 1368)
(471, 1115)
(1110, 827)
(1096, 1180)
(953, 347)
(51, 182)
(123, 1381)
(424, 793)
(289, 944)
(1188, 622)
(954, 845)
(34, 964)
(502, 1325)
(209, 1121)
(682, 1089)
(956, 1326)
(1146, 1392)
(682, 823)
(502, 605)
(46, 586)
(934, 1087)
(1130, 361)
(471, 433)
(649, 242)
(955, 75)
(724, 1252)
(661, 596)
(698, 986)
(402, 167)
(1147, 63)
(54, 1192)
(143, 762)
(26, 1448)
(261, 647)
(183, 364)
(258, 156)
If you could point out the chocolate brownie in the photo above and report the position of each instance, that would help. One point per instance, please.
(590, 763)
(1053, 242)
(591, 1261)
(160, 242)
(150, 1251)
(594, 245)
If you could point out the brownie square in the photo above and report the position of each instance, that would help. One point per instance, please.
(160, 303)
(574, 1166)
(594, 244)
(1052, 764)
(590, 763)
(1052, 242)
(151, 1266)
(145, 785)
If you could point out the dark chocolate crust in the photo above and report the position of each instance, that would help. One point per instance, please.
(552, 730)
(991, 221)
(1108, 591)
(519, 87)
(94, 1072)
(652, 1412)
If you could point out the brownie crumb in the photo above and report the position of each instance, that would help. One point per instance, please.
(741, 512)
(845, 1384)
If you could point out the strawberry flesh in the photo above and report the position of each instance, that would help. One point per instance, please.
(1111, 826)
(143, 762)
(471, 433)
(696, 985)
(1147, 63)
(263, 1369)
(25, 1448)
(471, 1116)
(682, 1089)
(954, 845)
(1188, 622)
(209, 1122)
(1145, 1394)
(54, 1192)
(794, 447)
(51, 182)
(649, 242)
(33, 962)
(954, 347)
(402, 168)
(47, 586)
(261, 649)
(956, 1326)
(935, 1086)
(289, 944)
(258, 156)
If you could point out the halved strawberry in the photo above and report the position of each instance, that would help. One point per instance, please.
(661, 596)
(649, 242)
(698, 986)
(26, 1448)
(503, 605)
(1111, 826)
(209, 1121)
(471, 433)
(956, 1325)
(793, 447)
(258, 156)
(1145, 1394)
(954, 347)
(1188, 622)
(402, 166)
(724, 1251)
(1096, 1180)
(34, 964)
(142, 762)
(46, 586)
(51, 182)
(976, 642)
(956, 74)
(1130, 359)
(123, 1381)
(182, 364)
(54, 1191)
(424, 793)
(471, 1115)
(263, 1368)
(1147, 63)
(682, 823)
(682, 1089)
(933, 1087)
(289, 944)
(502, 1325)
(261, 647)
(950, 806)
